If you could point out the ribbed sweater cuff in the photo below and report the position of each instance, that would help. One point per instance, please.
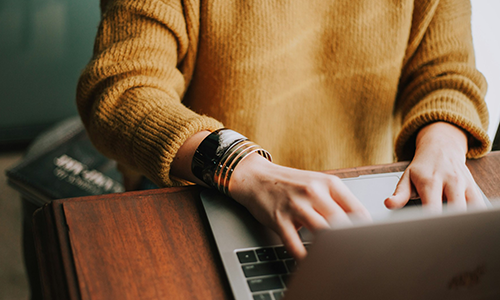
(160, 136)
(448, 106)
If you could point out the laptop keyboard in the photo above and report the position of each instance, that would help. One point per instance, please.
(267, 271)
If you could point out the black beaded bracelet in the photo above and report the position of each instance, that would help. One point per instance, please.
(218, 154)
(210, 152)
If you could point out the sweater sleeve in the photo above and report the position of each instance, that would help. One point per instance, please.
(439, 81)
(129, 95)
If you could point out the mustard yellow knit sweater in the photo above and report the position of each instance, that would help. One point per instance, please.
(319, 84)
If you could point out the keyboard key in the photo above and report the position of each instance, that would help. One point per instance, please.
(265, 284)
(262, 297)
(268, 268)
(246, 256)
(291, 265)
(282, 253)
(266, 254)
(278, 295)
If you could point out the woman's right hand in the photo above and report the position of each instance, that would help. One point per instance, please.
(285, 199)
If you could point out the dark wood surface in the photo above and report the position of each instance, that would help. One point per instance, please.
(153, 244)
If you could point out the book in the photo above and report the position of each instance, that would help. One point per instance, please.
(63, 163)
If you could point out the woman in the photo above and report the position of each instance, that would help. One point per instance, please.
(320, 86)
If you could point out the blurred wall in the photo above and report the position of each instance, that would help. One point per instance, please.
(486, 36)
(44, 44)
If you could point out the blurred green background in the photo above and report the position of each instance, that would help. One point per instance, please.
(44, 45)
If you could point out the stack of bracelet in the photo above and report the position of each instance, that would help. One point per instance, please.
(218, 155)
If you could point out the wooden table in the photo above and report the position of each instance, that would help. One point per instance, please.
(154, 244)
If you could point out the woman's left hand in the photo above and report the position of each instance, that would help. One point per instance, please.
(438, 172)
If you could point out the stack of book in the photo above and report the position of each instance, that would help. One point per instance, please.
(63, 163)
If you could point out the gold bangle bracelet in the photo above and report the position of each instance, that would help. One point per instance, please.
(223, 163)
(232, 163)
(231, 169)
(229, 162)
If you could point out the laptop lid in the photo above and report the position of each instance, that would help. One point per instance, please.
(449, 256)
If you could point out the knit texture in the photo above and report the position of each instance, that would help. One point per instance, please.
(319, 84)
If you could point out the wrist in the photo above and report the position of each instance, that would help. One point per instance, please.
(443, 134)
(248, 173)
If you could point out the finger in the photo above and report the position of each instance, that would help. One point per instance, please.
(345, 200)
(474, 197)
(312, 219)
(330, 210)
(402, 194)
(291, 239)
(455, 196)
(333, 213)
(431, 194)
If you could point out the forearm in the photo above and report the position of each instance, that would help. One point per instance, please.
(439, 80)
(129, 95)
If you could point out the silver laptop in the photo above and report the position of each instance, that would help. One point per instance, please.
(403, 254)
